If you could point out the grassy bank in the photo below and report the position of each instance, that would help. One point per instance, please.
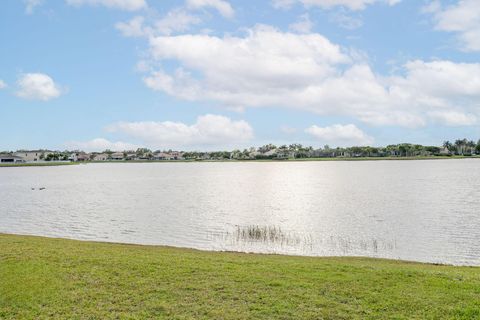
(38, 164)
(44, 278)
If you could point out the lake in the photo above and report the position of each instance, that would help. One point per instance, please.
(426, 211)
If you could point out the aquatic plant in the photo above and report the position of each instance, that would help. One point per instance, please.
(266, 234)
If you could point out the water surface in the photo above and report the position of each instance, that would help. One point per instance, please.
(414, 210)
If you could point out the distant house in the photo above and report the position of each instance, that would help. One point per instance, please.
(32, 156)
(175, 155)
(117, 156)
(73, 157)
(322, 153)
(83, 156)
(131, 156)
(161, 156)
(285, 154)
(100, 157)
(9, 158)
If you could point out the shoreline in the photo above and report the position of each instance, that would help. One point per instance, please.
(38, 164)
(170, 247)
(54, 164)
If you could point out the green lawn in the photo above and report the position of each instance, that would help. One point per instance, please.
(44, 278)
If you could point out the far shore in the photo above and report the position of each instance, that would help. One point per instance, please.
(49, 164)
(37, 164)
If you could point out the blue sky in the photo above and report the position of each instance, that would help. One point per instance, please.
(217, 74)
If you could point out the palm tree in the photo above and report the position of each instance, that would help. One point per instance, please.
(471, 146)
(460, 146)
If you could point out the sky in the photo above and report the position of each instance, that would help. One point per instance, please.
(226, 74)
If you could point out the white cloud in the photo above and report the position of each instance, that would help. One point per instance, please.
(345, 20)
(303, 25)
(208, 130)
(453, 118)
(328, 4)
(100, 144)
(176, 20)
(133, 28)
(269, 68)
(37, 86)
(31, 4)
(2, 84)
(463, 18)
(128, 5)
(266, 57)
(223, 7)
(340, 135)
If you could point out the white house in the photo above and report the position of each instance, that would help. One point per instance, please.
(32, 156)
(174, 155)
(100, 157)
(162, 156)
(9, 158)
(117, 156)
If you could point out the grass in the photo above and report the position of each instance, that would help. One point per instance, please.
(38, 164)
(43, 278)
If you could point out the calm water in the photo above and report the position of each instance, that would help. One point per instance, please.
(414, 210)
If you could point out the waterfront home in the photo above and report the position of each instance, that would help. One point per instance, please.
(285, 154)
(325, 153)
(173, 155)
(118, 156)
(32, 156)
(161, 156)
(100, 157)
(131, 156)
(82, 156)
(9, 158)
(73, 157)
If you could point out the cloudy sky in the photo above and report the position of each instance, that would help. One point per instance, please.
(222, 74)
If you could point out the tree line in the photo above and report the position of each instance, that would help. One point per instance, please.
(459, 147)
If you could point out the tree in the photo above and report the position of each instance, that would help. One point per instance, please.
(447, 145)
(460, 146)
(471, 147)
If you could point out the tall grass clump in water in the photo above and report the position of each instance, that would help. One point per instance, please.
(267, 234)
